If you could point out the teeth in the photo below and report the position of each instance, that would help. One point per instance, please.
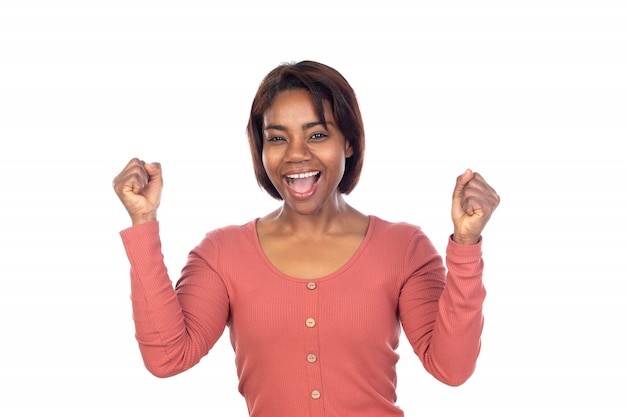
(303, 175)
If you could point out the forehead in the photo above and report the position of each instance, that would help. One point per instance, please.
(295, 105)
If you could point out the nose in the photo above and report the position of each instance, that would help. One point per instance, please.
(298, 151)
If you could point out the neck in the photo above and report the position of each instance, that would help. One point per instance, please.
(328, 219)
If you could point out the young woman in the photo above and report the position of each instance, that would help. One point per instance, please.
(314, 293)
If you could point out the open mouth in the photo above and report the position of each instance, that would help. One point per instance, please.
(303, 182)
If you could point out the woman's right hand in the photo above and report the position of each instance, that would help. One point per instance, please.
(139, 188)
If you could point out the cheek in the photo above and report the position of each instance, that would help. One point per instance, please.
(269, 163)
(265, 158)
(336, 158)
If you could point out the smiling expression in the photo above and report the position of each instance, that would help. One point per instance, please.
(304, 159)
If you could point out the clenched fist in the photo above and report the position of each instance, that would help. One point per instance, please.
(473, 202)
(139, 187)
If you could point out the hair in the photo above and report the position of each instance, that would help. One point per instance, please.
(324, 83)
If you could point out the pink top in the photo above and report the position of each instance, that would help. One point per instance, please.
(324, 347)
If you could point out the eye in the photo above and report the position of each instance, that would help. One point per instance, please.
(275, 139)
(318, 136)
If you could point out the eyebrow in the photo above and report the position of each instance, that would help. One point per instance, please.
(304, 126)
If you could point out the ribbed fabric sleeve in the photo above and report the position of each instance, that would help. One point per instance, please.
(442, 318)
(174, 329)
(311, 348)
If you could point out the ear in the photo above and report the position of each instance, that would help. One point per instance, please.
(349, 150)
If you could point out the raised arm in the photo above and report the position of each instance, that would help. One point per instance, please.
(175, 328)
(441, 310)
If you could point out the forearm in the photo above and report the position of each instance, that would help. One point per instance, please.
(157, 313)
(455, 342)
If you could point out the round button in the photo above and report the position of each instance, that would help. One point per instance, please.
(311, 285)
(310, 322)
(315, 394)
(311, 358)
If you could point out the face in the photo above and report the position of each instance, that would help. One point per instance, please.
(304, 159)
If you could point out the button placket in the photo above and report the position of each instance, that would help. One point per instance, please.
(311, 325)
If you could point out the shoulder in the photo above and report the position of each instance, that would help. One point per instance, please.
(397, 230)
(402, 237)
(233, 231)
(404, 245)
(229, 238)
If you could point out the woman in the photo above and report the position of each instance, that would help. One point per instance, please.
(314, 293)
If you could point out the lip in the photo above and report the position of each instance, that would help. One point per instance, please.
(294, 194)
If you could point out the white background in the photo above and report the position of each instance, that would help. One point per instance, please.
(532, 94)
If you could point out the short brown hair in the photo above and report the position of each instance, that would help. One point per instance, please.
(324, 83)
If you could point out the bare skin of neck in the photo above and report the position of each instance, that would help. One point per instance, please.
(309, 246)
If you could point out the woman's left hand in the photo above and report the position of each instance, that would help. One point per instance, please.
(473, 202)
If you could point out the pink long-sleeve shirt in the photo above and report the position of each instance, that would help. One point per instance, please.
(311, 348)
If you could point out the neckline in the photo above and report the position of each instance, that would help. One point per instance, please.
(355, 256)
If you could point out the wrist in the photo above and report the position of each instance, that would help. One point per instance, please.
(143, 218)
(465, 239)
